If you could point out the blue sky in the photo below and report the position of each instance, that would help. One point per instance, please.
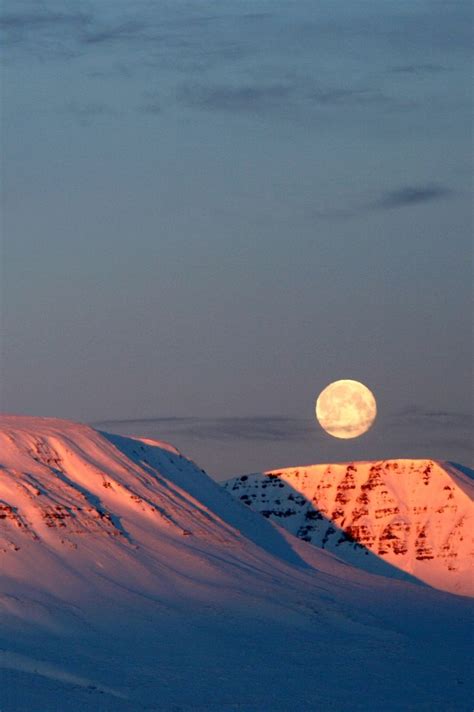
(211, 210)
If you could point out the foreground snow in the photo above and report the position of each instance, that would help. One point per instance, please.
(131, 581)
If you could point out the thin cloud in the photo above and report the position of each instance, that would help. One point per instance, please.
(254, 16)
(249, 98)
(419, 69)
(246, 429)
(404, 197)
(140, 421)
(126, 31)
(44, 33)
(411, 432)
(335, 96)
(439, 417)
(411, 195)
(87, 112)
(298, 92)
(45, 30)
(433, 433)
(452, 430)
(190, 38)
(269, 429)
(24, 22)
(151, 104)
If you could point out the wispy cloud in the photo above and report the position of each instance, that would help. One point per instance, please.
(411, 195)
(44, 32)
(26, 21)
(245, 98)
(399, 198)
(130, 30)
(261, 428)
(269, 429)
(449, 430)
(273, 427)
(151, 35)
(85, 113)
(419, 69)
(294, 96)
(411, 432)
(446, 418)
(50, 34)
(336, 96)
(152, 104)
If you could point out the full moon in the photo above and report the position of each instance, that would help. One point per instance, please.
(346, 409)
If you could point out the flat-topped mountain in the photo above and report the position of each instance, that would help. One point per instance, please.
(67, 490)
(417, 515)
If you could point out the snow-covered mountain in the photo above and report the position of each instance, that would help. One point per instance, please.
(417, 515)
(129, 580)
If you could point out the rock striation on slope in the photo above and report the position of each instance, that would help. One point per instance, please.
(416, 515)
(64, 483)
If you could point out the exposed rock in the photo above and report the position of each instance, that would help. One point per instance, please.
(414, 514)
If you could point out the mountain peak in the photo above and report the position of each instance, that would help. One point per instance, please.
(64, 483)
(413, 514)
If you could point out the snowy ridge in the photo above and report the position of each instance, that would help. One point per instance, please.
(416, 515)
(131, 581)
(61, 482)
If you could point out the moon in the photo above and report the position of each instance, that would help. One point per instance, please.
(346, 409)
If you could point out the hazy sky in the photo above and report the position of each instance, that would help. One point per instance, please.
(213, 209)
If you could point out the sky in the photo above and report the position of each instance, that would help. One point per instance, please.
(212, 210)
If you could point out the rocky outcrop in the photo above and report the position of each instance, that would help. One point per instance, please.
(414, 514)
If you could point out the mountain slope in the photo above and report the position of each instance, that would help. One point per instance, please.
(416, 515)
(130, 581)
(63, 481)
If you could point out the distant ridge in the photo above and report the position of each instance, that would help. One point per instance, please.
(416, 515)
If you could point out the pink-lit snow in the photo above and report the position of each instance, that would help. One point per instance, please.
(130, 580)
